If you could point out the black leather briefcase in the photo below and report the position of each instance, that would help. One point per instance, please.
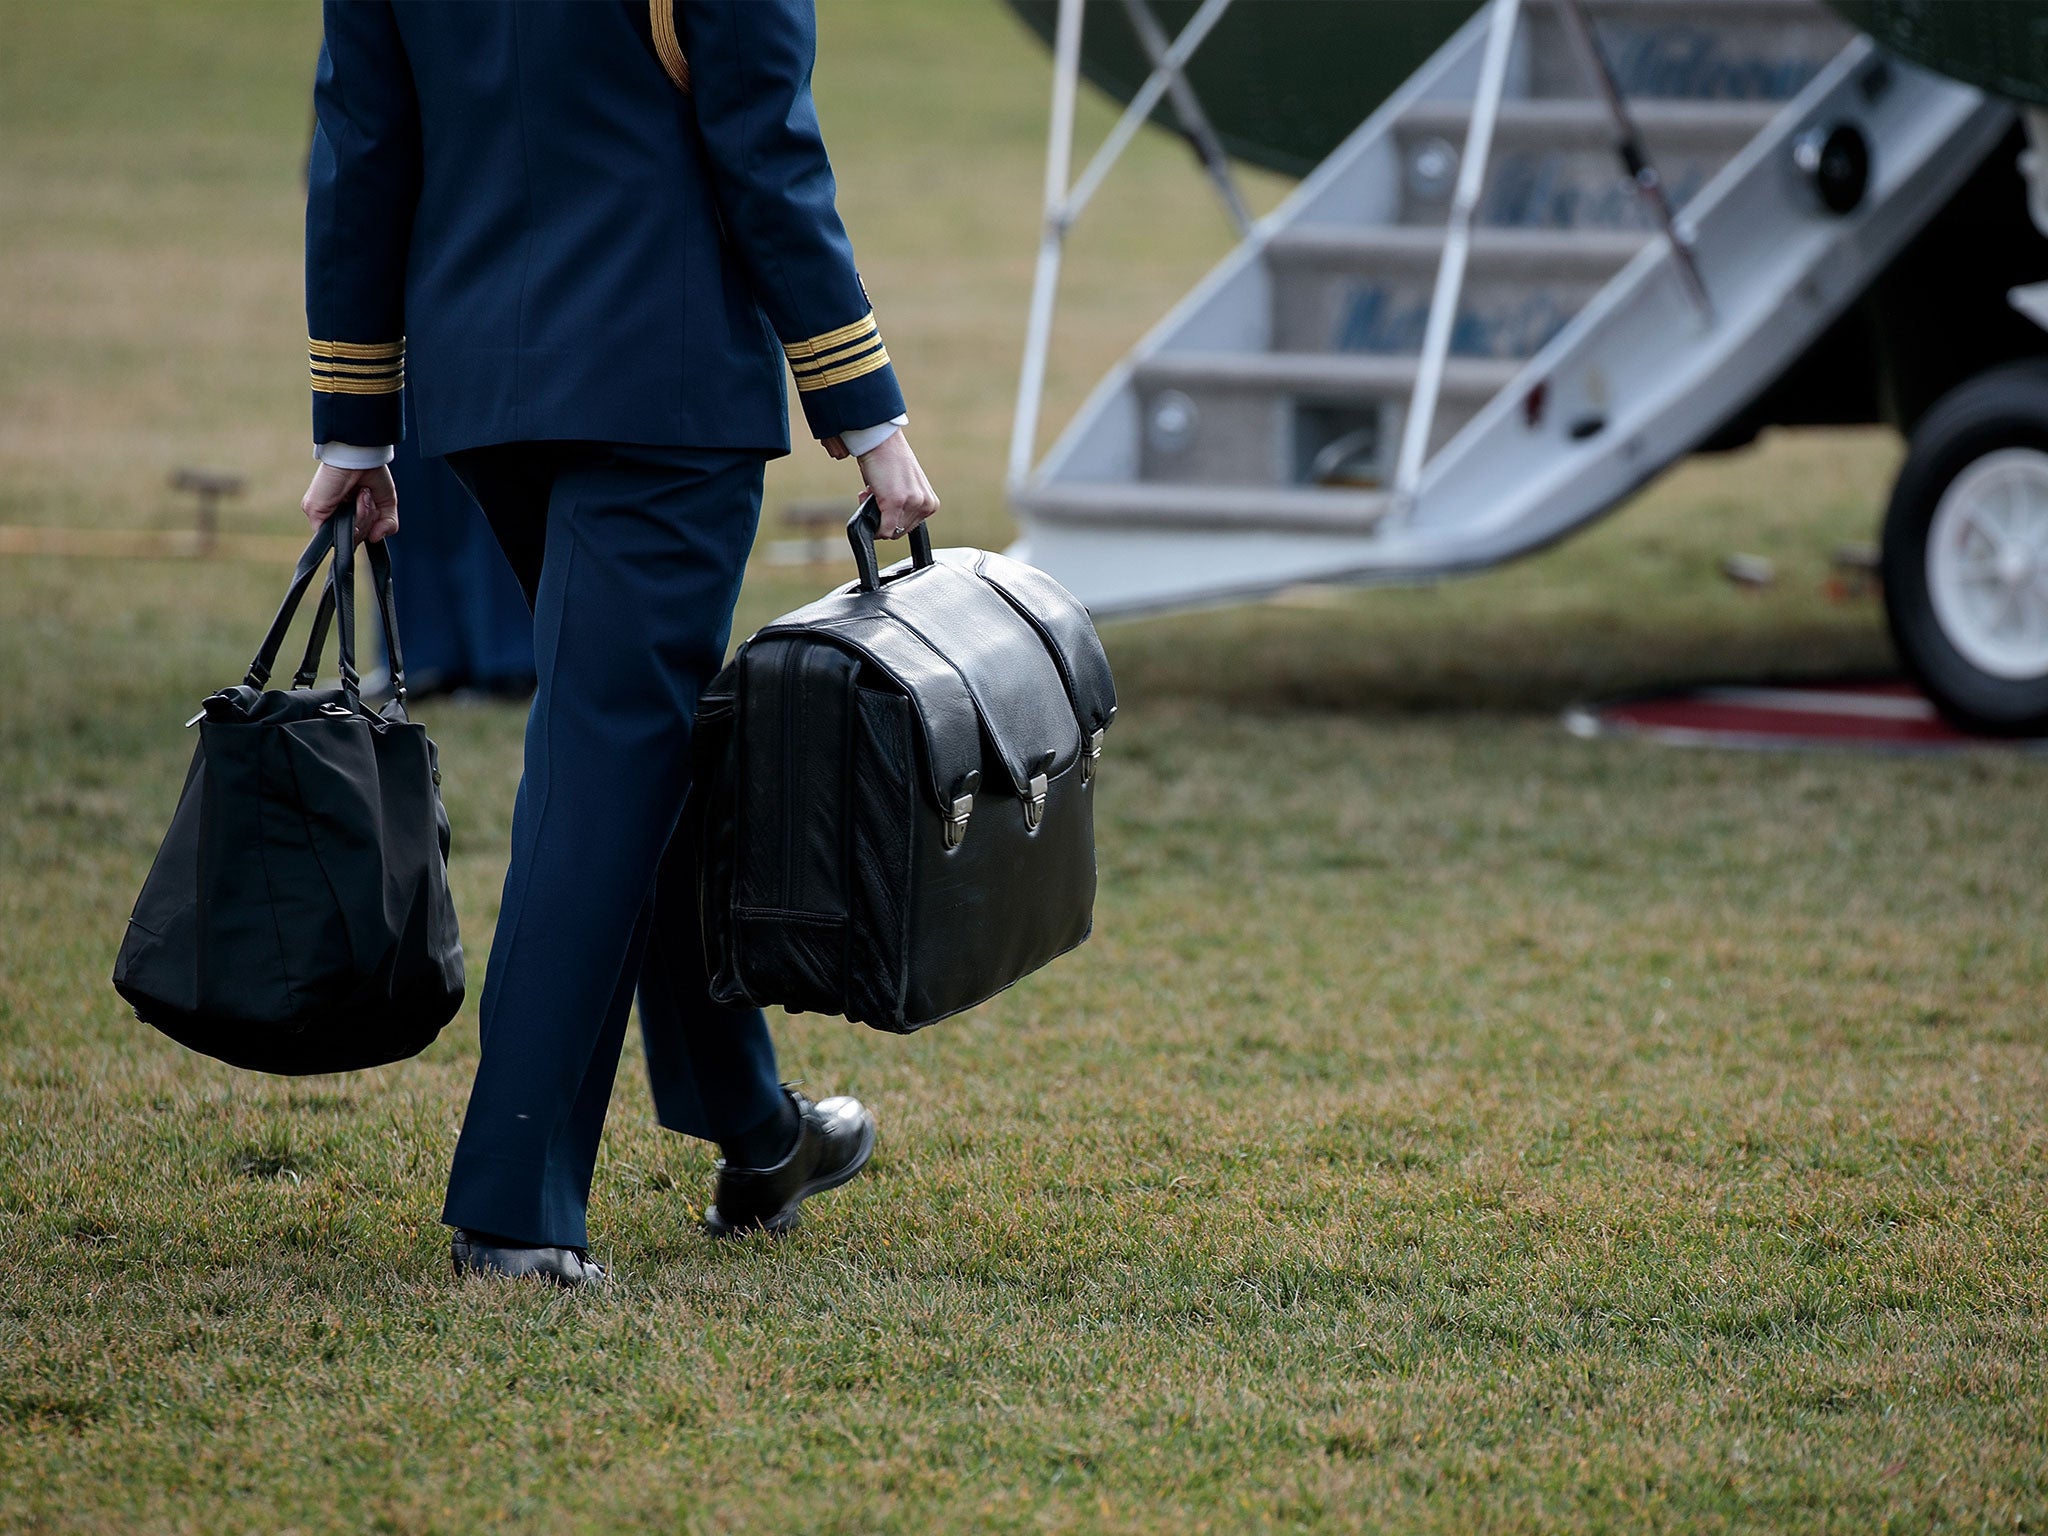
(895, 789)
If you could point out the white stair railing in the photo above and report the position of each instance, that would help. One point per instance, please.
(1063, 204)
(1629, 145)
(1194, 121)
(1450, 271)
(1450, 276)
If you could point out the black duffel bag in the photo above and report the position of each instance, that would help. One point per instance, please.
(297, 918)
(895, 789)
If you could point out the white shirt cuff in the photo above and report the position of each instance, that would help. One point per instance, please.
(860, 440)
(349, 456)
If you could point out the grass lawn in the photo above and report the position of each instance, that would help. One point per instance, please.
(1453, 1125)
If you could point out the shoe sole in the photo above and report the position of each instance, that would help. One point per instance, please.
(593, 1274)
(786, 1220)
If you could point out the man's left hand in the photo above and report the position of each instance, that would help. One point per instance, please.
(372, 491)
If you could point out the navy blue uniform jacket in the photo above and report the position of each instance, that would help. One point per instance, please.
(596, 219)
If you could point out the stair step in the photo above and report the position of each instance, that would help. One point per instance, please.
(1554, 162)
(1219, 508)
(1722, 12)
(1268, 418)
(1576, 122)
(1497, 251)
(1727, 50)
(1369, 290)
(1337, 376)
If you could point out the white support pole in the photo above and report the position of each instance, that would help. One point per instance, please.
(1059, 159)
(1450, 272)
(1156, 83)
(1193, 120)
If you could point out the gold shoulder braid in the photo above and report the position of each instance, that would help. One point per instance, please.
(661, 16)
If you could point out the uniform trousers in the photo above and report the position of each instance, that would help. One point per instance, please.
(631, 558)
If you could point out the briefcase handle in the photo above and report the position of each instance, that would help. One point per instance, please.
(335, 536)
(865, 526)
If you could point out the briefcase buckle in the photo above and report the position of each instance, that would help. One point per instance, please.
(963, 807)
(956, 820)
(1034, 802)
(1091, 756)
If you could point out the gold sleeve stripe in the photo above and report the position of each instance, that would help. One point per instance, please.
(804, 351)
(357, 386)
(868, 364)
(834, 358)
(362, 349)
(661, 16)
(396, 365)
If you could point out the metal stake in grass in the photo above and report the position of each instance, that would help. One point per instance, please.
(209, 485)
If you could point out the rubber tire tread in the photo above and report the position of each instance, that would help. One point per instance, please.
(2003, 407)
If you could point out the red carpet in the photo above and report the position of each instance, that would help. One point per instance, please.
(1881, 717)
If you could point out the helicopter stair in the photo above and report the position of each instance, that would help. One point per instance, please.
(1252, 441)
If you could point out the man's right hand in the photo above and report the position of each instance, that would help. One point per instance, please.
(371, 491)
(903, 496)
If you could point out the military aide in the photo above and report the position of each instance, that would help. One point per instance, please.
(590, 235)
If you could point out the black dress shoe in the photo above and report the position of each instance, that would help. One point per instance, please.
(834, 1140)
(474, 1254)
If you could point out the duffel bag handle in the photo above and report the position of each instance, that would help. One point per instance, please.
(337, 536)
(302, 578)
(865, 526)
(341, 581)
(387, 614)
(316, 639)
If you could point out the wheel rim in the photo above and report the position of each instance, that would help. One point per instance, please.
(1987, 563)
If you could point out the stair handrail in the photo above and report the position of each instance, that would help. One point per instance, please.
(1450, 270)
(1635, 158)
(1063, 203)
(1194, 122)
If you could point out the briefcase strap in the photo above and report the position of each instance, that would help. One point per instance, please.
(336, 536)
